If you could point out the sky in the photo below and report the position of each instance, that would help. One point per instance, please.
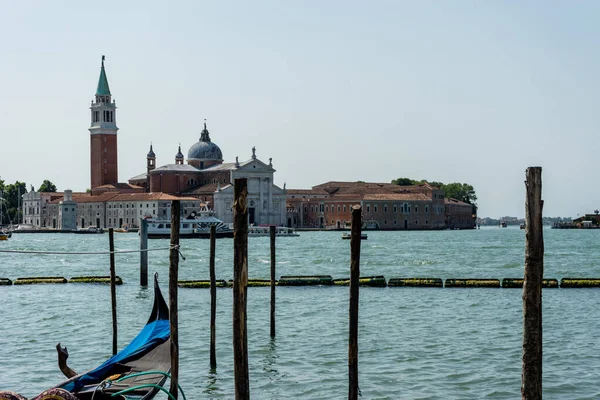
(462, 91)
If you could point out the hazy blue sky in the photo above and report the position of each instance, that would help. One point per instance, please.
(467, 91)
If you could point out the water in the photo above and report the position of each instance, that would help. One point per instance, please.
(414, 343)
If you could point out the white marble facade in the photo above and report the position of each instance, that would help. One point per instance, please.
(266, 201)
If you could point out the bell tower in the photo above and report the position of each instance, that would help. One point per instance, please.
(150, 165)
(103, 135)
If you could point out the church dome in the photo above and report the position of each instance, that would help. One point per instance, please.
(204, 149)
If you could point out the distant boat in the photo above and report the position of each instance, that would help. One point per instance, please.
(368, 225)
(522, 226)
(89, 229)
(265, 230)
(347, 236)
(503, 224)
(195, 225)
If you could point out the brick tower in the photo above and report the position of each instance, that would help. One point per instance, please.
(103, 135)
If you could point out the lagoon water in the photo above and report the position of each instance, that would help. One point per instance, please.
(414, 343)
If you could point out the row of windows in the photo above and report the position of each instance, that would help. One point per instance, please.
(396, 222)
(404, 208)
(133, 205)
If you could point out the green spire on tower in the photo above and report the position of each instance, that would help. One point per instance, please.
(103, 89)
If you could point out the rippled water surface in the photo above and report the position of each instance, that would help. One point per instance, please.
(414, 343)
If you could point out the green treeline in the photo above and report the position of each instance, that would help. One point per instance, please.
(9, 199)
(459, 191)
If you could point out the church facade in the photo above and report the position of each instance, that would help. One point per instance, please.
(208, 178)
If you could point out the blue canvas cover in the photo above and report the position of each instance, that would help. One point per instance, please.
(154, 333)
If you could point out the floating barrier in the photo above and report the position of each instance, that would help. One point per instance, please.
(5, 282)
(374, 281)
(201, 284)
(472, 283)
(517, 283)
(39, 279)
(580, 282)
(305, 280)
(416, 282)
(258, 282)
(95, 279)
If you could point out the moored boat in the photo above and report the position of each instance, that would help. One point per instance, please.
(346, 235)
(137, 372)
(89, 229)
(195, 225)
(265, 230)
(5, 234)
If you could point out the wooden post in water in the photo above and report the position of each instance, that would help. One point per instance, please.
(173, 277)
(144, 252)
(213, 298)
(531, 377)
(113, 287)
(240, 283)
(272, 235)
(353, 390)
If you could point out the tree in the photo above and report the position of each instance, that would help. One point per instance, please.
(436, 184)
(11, 201)
(403, 182)
(4, 216)
(461, 191)
(47, 186)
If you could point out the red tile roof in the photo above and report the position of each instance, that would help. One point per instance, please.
(152, 196)
(456, 202)
(112, 196)
(308, 192)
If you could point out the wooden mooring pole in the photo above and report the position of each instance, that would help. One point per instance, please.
(531, 377)
(113, 288)
(353, 390)
(173, 277)
(240, 282)
(144, 252)
(213, 299)
(272, 236)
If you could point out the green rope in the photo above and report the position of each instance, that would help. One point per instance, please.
(125, 391)
(151, 373)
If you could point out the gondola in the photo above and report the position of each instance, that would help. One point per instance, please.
(137, 372)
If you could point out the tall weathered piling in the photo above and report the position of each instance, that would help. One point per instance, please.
(531, 377)
(113, 288)
(353, 390)
(143, 252)
(173, 276)
(240, 280)
(213, 299)
(273, 283)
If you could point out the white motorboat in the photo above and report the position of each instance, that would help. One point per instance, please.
(265, 230)
(195, 225)
(348, 236)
